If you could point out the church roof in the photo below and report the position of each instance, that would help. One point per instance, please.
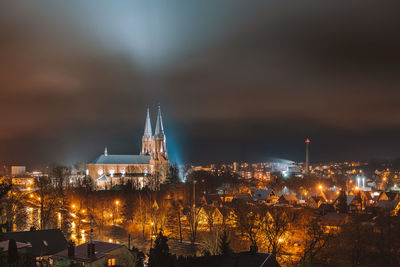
(121, 159)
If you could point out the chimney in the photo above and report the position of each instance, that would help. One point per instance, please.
(253, 249)
(91, 244)
(71, 249)
(90, 248)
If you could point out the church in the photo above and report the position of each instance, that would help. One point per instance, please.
(149, 168)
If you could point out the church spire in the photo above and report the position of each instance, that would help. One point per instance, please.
(159, 125)
(147, 127)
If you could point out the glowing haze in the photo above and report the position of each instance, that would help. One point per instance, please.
(236, 79)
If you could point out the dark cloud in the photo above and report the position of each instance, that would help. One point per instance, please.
(237, 80)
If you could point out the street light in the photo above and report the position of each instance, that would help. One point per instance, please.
(117, 204)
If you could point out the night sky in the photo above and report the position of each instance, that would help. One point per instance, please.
(236, 80)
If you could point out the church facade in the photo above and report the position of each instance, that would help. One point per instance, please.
(149, 168)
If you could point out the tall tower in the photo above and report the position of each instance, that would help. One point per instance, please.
(159, 157)
(160, 146)
(147, 139)
(306, 167)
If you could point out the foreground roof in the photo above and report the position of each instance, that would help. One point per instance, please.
(243, 259)
(388, 204)
(81, 252)
(121, 159)
(4, 245)
(43, 242)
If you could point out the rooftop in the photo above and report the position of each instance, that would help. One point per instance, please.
(81, 252)
(43, 242)
(121, 159)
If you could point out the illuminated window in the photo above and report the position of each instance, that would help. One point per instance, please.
(111, 262)
(112, 172)
(123, 171)
(100, 171)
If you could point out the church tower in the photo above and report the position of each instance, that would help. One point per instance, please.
(159, 158)
(147, 139)
(160, 146)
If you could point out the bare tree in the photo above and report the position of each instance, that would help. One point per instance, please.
(316, 239)
(192, 218)
(275, 224)
(210, 214)
(59, 175)
(46, 200)
(14, 204)
(141, 213)
(248, 220)
(176, 213)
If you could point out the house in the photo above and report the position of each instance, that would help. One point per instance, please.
(325, 208)
(243, 196)
(211, 199)
(24, 258)
(209, 216)
(334, 221)
(265, 195)
(391, 206)
(94, 254)
(42, 243)
(329, 196)
(288, 199)
(353, 203)
(388, 196)
(315, 201)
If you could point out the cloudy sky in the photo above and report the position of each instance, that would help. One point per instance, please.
(236, 80)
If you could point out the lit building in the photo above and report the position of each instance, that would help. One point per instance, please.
(149, 168)
(17, 170)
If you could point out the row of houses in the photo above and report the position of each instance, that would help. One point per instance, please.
(50, 248)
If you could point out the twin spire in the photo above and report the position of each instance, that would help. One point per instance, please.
(154, 144)
(147, 127)
(159, 132)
